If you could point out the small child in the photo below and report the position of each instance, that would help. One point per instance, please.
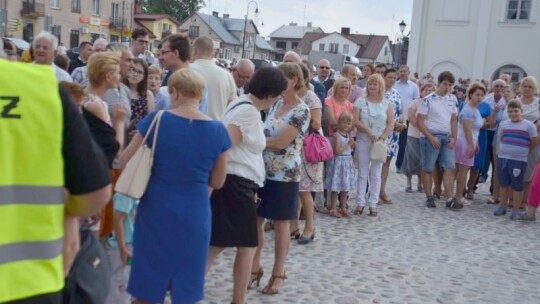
(341, 176)
(120, 248)
(517, 138)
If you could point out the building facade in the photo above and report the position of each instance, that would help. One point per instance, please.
(476, 39)
(158, 27)
(228, 35)
(288, 37)
(72, 21)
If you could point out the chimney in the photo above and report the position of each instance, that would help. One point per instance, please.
(225, 16)
(346, 30)
(293, 24)
(215, 14)
(309, 24)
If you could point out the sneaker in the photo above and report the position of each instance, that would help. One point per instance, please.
(430, 203)
(515, 214)
(408, 189)
(454, 204)
(526, 217)
(421, 189)
(500, 211)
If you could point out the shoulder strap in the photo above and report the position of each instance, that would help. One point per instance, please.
(239, 104)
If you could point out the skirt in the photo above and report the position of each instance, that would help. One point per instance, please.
(279, 200)
(341, 176)
(311, 176)
(412, 160)
(234, 213)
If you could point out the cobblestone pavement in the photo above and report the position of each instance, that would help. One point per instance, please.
(408, 254)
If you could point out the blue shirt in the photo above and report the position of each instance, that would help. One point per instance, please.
(128, 206)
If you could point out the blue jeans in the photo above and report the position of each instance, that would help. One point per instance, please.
(444, 155)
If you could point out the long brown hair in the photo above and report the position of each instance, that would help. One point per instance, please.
(142, 87)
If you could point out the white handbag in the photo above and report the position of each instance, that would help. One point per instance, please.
(378, 150)
(135, 176)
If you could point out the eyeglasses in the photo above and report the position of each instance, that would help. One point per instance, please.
(138, 72)
(142, 41)
(324, 68)
(163, 52)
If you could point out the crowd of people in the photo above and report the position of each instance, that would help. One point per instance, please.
(229, 161)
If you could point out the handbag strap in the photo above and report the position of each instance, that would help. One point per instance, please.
(155, 121)
(368, 115)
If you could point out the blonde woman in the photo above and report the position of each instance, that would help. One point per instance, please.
(337, 103)
(374, 121)
(172, 229)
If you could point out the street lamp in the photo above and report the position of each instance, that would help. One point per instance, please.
(261, 21)
(402, 26)
(245, 24)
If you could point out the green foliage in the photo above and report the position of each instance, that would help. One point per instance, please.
(179, 9)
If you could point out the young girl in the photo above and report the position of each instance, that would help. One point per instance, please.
(341, 176)
(142, 99)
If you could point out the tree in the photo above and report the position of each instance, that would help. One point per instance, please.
(179, 9)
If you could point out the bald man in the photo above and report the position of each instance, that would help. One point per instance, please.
(323, 74)
(292, 56)
(219, 82)
(242, 72)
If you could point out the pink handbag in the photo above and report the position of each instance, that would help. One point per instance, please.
(317, 148)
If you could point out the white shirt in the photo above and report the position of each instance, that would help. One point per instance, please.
(61, 75)
(438, 111)
(219, 83)
(408, 91)
(246, 158)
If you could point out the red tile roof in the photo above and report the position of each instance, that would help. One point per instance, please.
(154, 17)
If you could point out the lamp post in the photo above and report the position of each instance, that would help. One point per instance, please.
(261, 21)
(402, 26)
(245, 24)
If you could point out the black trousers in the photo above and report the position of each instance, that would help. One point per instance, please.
(402, 142)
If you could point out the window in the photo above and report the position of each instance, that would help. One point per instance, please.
(193, 31)
(55, 3)
(345, 49)
(518, 10)
(281, 45)
(247, 54)
(237, 49)
(76, 6)
(96, 7)
(166, 27)
(334, 47)
(385, 51)
(321, 47)
(115, 11)
(228, 53)
(294, 44)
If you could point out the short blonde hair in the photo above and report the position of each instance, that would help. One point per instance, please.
(530, 80)
(154, 69)
(188, 83)
(340, 82)
(100, 65)
(291, 70)
(378, 79)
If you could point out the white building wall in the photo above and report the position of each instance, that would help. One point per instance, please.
(474, 41)
(385, 55)
(340, 40)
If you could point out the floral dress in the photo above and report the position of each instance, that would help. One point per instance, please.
(311, 174)
(284, 165)
(393, 140)
(139, 110)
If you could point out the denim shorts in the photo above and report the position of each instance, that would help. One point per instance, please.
(444, 156)
(511, 173)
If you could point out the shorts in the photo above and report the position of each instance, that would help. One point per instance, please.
(461, 153)
(511, 173)
(444, 155)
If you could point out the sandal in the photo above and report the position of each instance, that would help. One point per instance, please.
(334, 213)
(385, 199)
(372, 211)
(295, 234)
(345, 213)
(469, 196)
(358, 210)
(321, 209)
(256, 277)
(270, 289)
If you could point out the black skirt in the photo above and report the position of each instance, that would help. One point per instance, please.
(234, 213)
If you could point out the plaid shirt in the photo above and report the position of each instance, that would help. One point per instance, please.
(79, 75)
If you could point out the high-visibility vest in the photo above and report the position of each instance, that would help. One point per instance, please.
(31, 181)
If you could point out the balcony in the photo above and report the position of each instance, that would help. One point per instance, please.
(33, 10)
(116, 22)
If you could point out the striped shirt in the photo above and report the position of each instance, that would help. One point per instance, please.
(515, 139)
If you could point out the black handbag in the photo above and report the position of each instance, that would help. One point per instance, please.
(89, 278)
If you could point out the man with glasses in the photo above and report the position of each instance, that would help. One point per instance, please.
(323, 74)
(242, 72)
(139, 46)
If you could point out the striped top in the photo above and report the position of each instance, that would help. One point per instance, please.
(515, 139)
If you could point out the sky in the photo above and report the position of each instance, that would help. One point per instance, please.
(380, 17)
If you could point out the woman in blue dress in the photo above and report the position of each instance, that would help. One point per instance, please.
(172, 227)
(390, 77)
